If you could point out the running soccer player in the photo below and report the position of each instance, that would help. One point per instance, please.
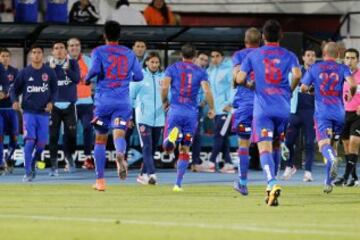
(114, 66)
(271, 65)
(351, 134)
(243, 105)
(11, 123)
(37, 83)
(184, 79)
(328, 78)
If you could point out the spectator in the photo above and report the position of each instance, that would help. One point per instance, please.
(68, 76)
(126, 15)
(158, 13)
(56, 11)
(84, 105)
(139, 49)
(83, 12)
(150, 116)
(26, 11)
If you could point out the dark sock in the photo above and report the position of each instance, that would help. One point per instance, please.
(348, 168)
(353, 158)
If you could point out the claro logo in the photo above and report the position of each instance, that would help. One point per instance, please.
(38, 89)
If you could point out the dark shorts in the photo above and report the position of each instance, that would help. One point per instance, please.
(352, 125)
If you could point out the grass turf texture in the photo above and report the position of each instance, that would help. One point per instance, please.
(200, 212)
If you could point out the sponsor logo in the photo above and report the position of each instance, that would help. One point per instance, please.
(38, 89)
(45, 77)
(65, 82)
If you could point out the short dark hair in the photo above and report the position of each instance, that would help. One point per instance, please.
(219, 50)
(188, 51)
(58, 42)
(309, 49)
(353, 50)
(5, 50)
(112, 31)
(36, 46)
(202, 53)
(272, 31)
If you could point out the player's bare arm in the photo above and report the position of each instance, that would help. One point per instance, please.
(209, 98)
(165, 92)
(296, 76)
(241, 78)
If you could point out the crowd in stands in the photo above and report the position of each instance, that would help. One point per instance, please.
(157, 12)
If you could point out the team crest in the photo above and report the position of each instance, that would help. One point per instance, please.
(10, 77)
(142, 128)
(45, 77)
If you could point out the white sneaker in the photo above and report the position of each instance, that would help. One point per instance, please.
(308, 177)
(143, 179)
(152, 179)
(206, 166)
(228, 168)
(288, 173)
(357, 183)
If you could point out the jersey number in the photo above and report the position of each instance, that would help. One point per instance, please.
(120, 63)
(272, 73)
(185, 86)
(332, 80)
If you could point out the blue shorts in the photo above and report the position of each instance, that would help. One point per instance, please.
(111, 117)
(242, 122)
(1, 125)
(269, 128)
(11, 122)
(328, 129)
(36, 127)
(187, 123)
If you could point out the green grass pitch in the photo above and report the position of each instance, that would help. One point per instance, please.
(75, 212)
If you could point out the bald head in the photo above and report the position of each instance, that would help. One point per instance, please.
(252, 37)
(331, 49)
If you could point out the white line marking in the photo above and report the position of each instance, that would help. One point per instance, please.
(237, 227)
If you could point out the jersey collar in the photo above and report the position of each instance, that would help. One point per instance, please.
(272, 44)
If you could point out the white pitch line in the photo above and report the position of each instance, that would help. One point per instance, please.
(237, 227)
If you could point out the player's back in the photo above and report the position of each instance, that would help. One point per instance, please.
(328, 79)
(271, 65)
(118, 65)
(244, 97)
(186, 79)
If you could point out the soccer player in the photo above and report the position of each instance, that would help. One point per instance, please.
(4, 88)
(37, 83)
(84, 104)
(115, 66)
(302, 112)
(351, 133)
(202, 60)
(68, 74)
(184, 79)
(243, 105)
(10, 115)
(328, 78)
(271, 65)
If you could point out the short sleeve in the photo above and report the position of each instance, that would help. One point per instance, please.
(169, 71)
(246, 65)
